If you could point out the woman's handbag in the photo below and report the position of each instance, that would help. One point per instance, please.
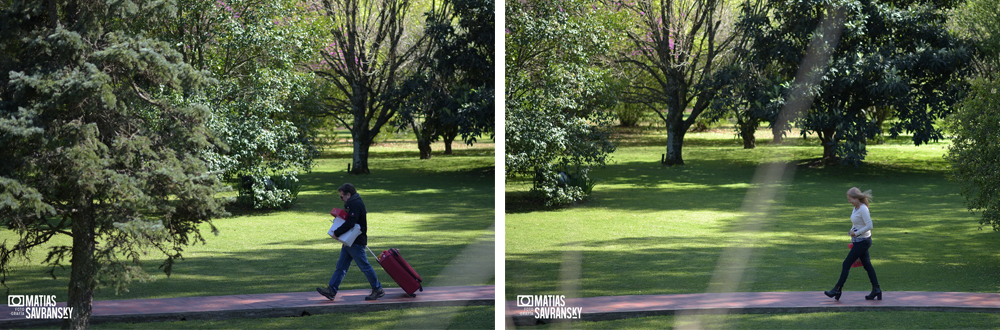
(857, 263)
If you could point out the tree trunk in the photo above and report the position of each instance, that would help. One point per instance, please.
(676, 128)
(361, 132)
(425, 148)
(675, 141)
(361, 145)
(826, 137)
(447, 144)
(424, 134)
(449, 137)
(83, 270)
(778, 131)
(747, 129)
(881, 114)
(779, 126)
(749, 140)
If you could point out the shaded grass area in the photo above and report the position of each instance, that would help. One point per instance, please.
(428, 209)
(649, 229)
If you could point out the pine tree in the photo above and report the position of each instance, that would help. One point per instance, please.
(102, 138)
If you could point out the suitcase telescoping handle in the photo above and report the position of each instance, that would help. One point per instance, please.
(370, 251)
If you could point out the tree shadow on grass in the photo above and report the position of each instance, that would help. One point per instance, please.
(409, 154)
(652, 186)
(642, 266)
(262, 270)
(902, 263)
(639, 186)
(718, 184)
(623, 266)
(457, 200)
(869, 169)
(237, 210)
(297, 269)
(920, 233)
(527, 202)
(918, 237)
(640, 137)
(470, 188)
(306, 242)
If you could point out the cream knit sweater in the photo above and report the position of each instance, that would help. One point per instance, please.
(862, 222)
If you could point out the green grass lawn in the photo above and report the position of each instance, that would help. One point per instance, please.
(649, 229)
(430, 210)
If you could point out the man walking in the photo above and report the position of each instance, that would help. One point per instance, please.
(356, 214)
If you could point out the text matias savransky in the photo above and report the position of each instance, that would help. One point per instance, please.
(548, 307)
(38, 307)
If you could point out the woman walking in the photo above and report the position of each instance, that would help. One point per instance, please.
(861, 236)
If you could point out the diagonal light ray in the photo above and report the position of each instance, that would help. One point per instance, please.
(473, 266)
(768, 187)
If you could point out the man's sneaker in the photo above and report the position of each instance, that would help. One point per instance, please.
(326, 292)
(376, 293)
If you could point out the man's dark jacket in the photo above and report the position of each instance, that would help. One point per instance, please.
(356, 214)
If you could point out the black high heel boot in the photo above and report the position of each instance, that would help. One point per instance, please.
(876, 293)
(835, 293)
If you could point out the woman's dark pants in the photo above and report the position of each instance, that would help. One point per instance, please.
(859, 250)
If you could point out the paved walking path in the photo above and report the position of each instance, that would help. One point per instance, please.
(262, 305)
(618, 307)
(593, 308)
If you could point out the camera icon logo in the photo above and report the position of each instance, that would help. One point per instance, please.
(525, 301)
(15, 301)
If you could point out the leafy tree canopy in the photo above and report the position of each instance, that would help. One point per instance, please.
(556, 93)
(894, 55)
(254, 49)
(975, 153)
(451, 91)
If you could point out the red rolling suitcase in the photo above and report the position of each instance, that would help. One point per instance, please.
(400, 271)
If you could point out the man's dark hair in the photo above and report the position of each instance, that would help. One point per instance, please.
(348, 188)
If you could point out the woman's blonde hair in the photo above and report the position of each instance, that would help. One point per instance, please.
(856, 193)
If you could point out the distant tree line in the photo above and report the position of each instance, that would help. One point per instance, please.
(882, 68)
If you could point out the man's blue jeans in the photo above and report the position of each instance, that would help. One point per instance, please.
(356, 253)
